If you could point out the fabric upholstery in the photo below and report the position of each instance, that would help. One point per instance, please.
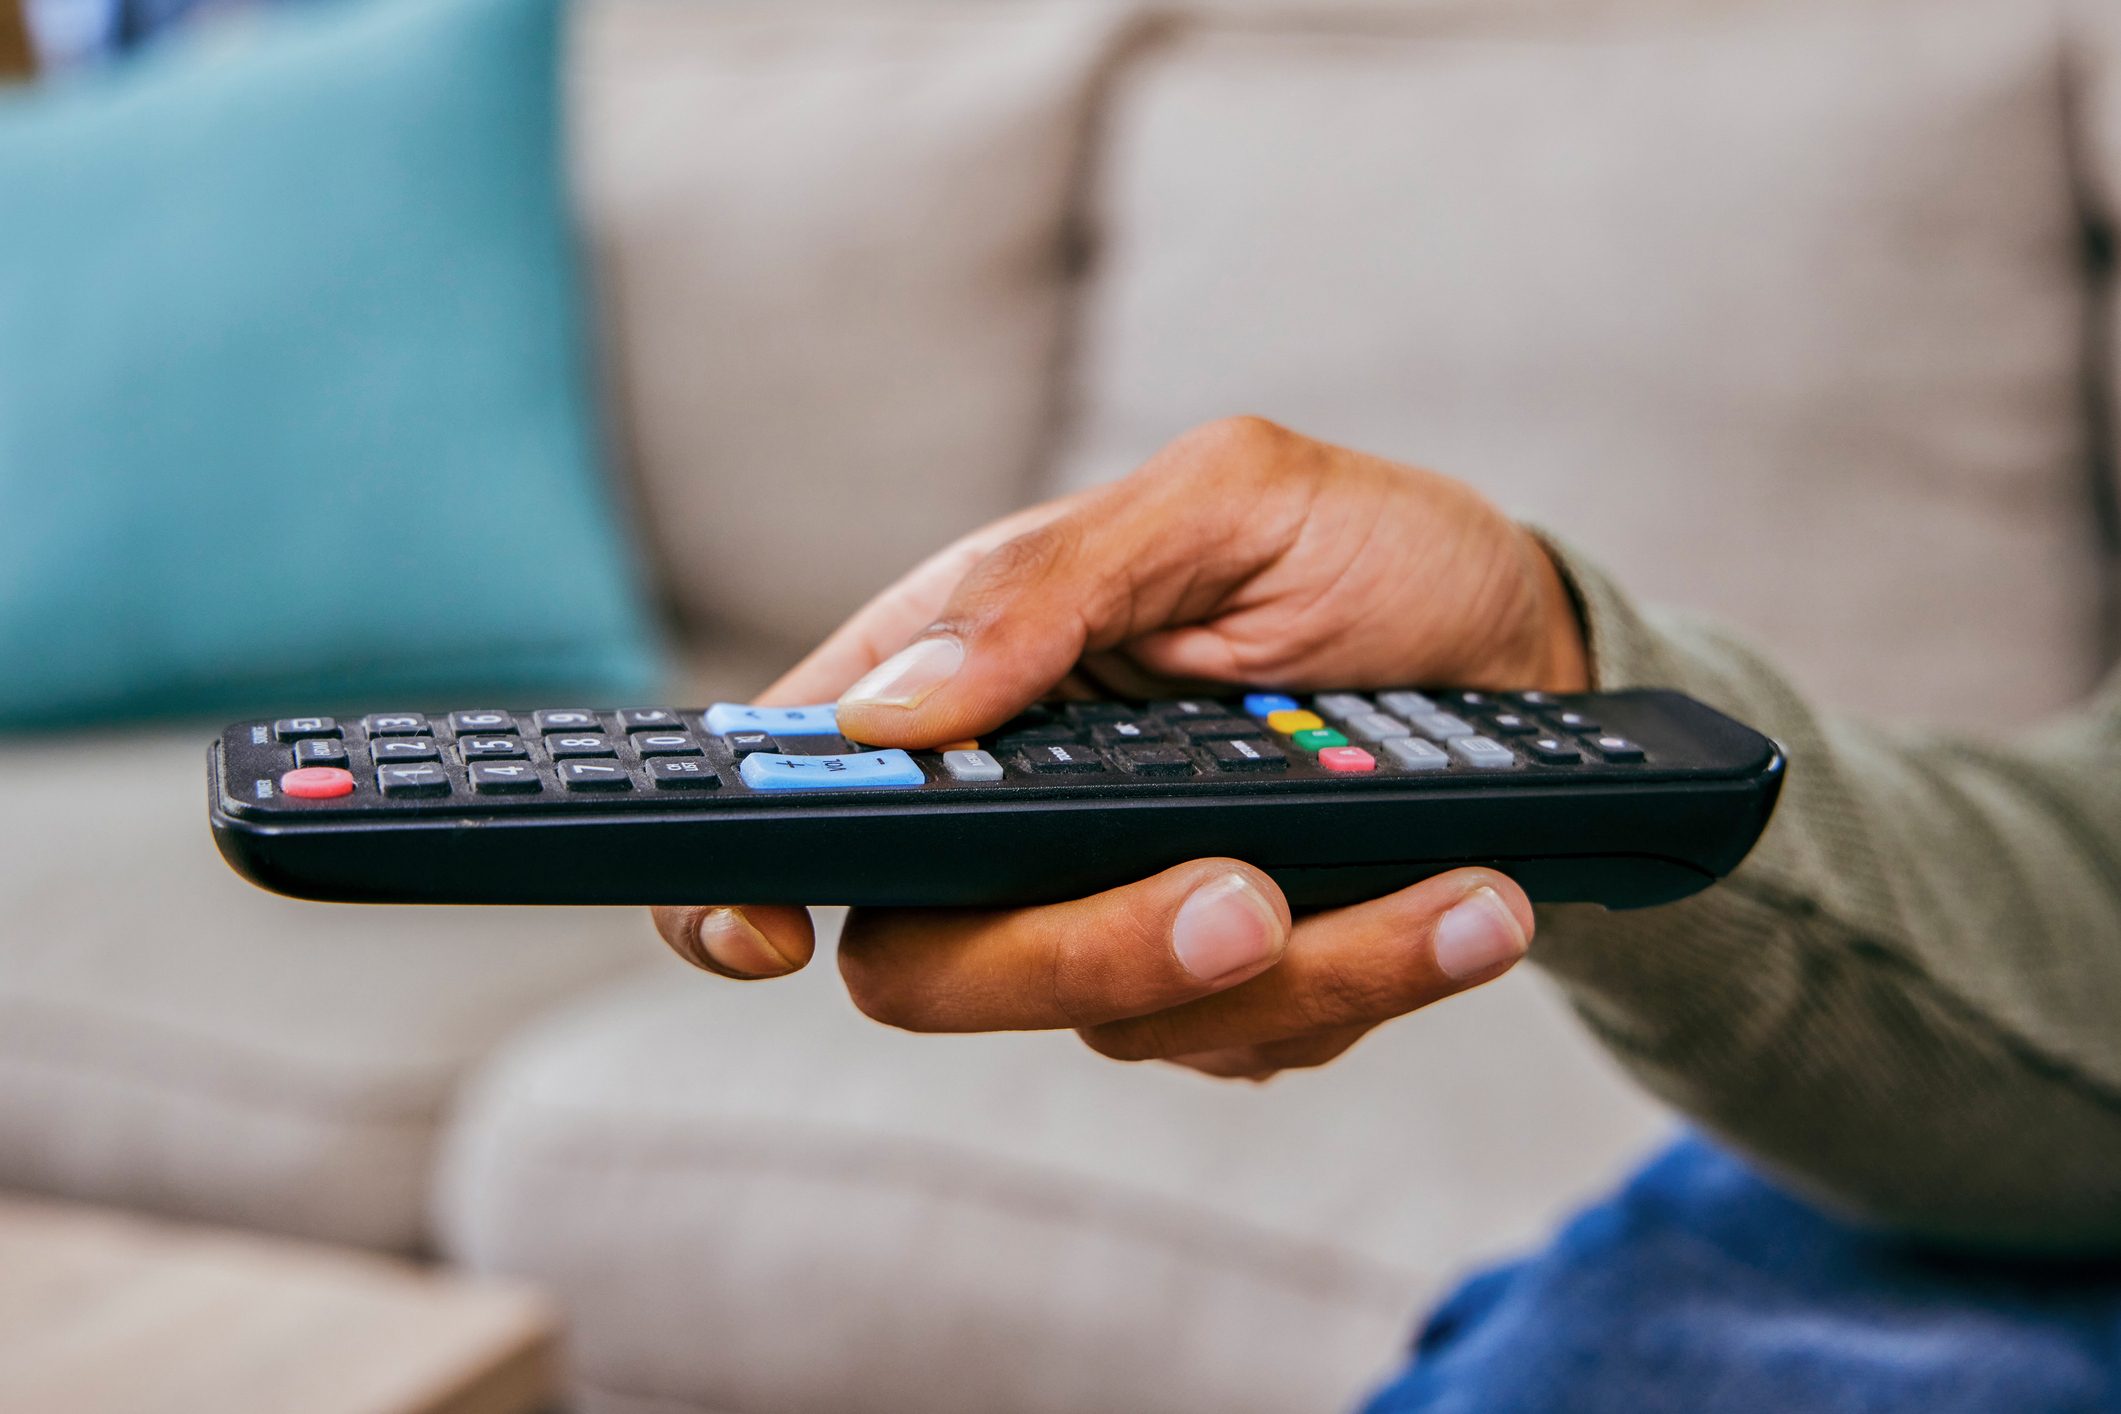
(833, 241)
(174, 1040)
(751, 1198)
(1743, 298)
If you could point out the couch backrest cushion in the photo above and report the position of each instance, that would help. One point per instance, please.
(833, 249)
(1776, 309)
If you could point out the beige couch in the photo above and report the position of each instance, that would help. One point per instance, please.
(1794, 312)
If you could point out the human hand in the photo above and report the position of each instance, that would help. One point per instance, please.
(1242, 553)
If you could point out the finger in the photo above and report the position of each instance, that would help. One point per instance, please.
(1264, 1062)
(758, 940)
(1351, 967)
(883, 625)
(1185, 933)
(1161, 547)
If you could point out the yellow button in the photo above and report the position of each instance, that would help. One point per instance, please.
(1289, 723)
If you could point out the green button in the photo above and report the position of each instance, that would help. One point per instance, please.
(1319, 738)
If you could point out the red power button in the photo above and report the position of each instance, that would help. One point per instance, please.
(317, 783)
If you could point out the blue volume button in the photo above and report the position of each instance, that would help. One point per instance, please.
(726, 717)
(872, 770)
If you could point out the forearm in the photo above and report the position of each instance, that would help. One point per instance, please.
(1908, 1000)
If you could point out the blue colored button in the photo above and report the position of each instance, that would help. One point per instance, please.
(872, 770)
(726, 717)
(1261, 704)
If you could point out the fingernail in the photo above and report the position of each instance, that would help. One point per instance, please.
(1225, 926)
(1478, 936)
(730, 941)
(907, 677)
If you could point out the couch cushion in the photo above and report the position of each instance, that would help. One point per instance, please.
(751, 1198)
(833, 242)
(175, 1040)
(1777, 309)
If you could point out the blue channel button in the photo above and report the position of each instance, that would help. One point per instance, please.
(872, 770)
(726, 717)
(1265, 704)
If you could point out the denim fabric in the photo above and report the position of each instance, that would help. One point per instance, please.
(1699, 1289)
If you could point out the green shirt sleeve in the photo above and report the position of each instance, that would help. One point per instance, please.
(1906, 1003)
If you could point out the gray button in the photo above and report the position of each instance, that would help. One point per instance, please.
(1341, 705)
(971, 766)
(1413, 754)
(1442, 726)
(1375, 726)
(1483, 752)
(1406, 704)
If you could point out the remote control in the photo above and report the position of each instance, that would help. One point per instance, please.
(1624, 798)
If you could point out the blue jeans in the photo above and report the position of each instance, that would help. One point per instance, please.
(1698, 1289)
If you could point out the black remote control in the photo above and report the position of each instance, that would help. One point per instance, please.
(1624, 798)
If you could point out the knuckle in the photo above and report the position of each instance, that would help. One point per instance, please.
(1344, 990)
(1083, 964)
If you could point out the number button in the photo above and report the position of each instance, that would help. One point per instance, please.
(491, 748)
(1552, 751)
(403, 748)
(395, 724)
(320, 751)
(504, 778)
(481, 720)
(414, 780)
(1617, 748)
(1575, 721)
(1123, 731)
(566, 719)
(1513, 724)
(665, 744)
(648, 719)
(593, 775)
(296, 728)
(683, 773)
(580, 744)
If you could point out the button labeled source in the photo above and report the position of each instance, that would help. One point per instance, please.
(726, 717)
(317, 783)
(872, 770)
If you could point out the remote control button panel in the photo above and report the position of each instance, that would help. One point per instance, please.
(490, 759)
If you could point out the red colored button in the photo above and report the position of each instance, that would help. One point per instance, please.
(1347, 758)
(317, 783)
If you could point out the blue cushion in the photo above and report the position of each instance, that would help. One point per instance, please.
(295, 392)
